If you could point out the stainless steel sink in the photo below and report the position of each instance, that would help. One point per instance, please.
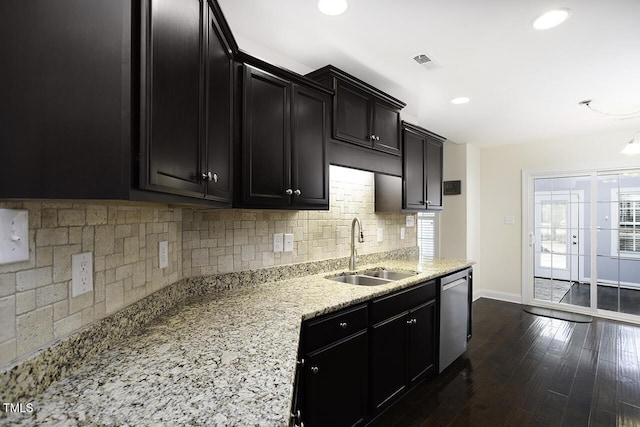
(359, 279)
(387, 274)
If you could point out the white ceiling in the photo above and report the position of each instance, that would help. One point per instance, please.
(524, 84)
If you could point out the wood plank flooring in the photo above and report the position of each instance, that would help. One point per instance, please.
(525, 370)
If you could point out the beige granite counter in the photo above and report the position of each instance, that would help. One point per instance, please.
(227, 358)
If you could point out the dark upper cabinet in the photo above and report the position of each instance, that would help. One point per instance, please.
(65, 115)
(422, 168)
(283, 155)
(362, 114)
(186, 138)
(266, 139)
(117, 100)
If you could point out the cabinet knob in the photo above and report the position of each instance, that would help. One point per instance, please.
(314, 369)
(301, 362)
(297, 192)
(377, 138)
(428, 202)
(372, 137)
(215, 177)
(208, 177)
(288, 191)
(343, 325)
(412, 321)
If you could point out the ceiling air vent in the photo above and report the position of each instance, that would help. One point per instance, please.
(427, 62)
(421, 59)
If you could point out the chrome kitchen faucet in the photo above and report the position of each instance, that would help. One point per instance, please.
(352, 260)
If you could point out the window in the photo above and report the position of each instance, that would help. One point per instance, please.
(427, 235)
(629, 222)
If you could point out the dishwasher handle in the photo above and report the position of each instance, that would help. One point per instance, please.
(458, 282)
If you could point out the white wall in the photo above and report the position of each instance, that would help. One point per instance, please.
(501, 172)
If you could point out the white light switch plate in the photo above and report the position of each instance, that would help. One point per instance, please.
(14, 235)
(288, 242)
(81, 273)
(163, 254)
(380, 234)
(278, 242)
(410, 220)
(402, 231)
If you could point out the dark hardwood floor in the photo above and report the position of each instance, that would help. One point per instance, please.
(525, 370)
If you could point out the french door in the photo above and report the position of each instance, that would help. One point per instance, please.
(581, 242)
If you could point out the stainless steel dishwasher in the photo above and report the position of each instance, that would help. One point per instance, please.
(454, 316)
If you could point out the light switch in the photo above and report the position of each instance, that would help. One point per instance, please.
(163, 254)
(81, 273)
(14, 235)
(288, 242)
(278, 242)
(410, 220)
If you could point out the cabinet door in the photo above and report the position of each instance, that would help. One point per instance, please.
(336, 384)
(388, 361)
(422, 342)
(174, 96)
(352, 116)
(386, 128)
(219, 117)
(266, 139)
(414, 172)
(434, 174)
(310, 148)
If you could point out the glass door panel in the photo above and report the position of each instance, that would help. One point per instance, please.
(618, 251)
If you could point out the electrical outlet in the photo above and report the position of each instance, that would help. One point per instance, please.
(288, 242)
(163, 254)
(380, 234)
(402, 231)
(410, 220)
(14, 235)
(81, 274)
(278, 242)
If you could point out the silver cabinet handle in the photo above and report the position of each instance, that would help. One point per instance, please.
(288, 191)
(215, 177)
(428, 202)
(412, 321)
(314, 369)
(343, 325)
(301, 362)
(377, 138)
(297, 192)
(372, 137)
(207, 176)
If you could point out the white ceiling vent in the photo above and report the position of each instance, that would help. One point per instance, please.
(427, 61)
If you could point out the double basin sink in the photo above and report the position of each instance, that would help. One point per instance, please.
(374, 277)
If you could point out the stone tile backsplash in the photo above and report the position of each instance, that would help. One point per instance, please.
(36, 306)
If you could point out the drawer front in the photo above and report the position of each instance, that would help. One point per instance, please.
(390, 305)
(333, 327)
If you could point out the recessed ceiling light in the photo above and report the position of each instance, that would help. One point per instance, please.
(460, 100)
(332, 7)
(551, 19)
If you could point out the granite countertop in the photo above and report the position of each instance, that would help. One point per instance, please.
(225, 359)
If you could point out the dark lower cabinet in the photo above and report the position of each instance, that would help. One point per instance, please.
(403, 351)
(388, 361)
(335, 384)
(357, 362)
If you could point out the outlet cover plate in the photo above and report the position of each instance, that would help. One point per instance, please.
(380, 234)
(402, 231)
(410, 220)
(14, 235)
(81, 273)
(278, 242)
(163, 254)
(288, 242)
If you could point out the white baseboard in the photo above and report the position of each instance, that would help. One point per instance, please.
(502, 296)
